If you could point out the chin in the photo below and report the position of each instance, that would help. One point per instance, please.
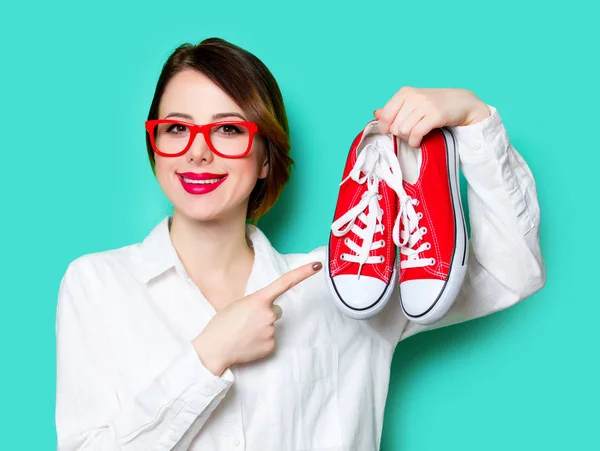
(209, 210)
(202, 211)
(227, 201)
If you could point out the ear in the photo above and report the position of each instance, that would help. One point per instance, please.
(264, 171)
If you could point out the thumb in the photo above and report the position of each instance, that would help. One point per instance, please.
(376, 113)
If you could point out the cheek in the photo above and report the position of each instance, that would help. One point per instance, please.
(165, 168)
(249, 167)
(161, 165)
(246, 172)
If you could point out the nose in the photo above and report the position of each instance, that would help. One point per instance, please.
(199, 150)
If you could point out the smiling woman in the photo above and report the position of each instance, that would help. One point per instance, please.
(239, 82)
(203, 336)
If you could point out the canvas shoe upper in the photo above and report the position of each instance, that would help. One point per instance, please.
(362, 263)
(433, 236)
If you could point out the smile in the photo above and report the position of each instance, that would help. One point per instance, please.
(198, 187)
(202, 182)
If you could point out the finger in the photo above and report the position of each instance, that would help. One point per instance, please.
(388, 113)
(278, 312)
(288, 281)
(424, 126)
(402, 127)
(404, 119)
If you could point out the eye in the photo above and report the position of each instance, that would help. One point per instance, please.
(231, 129)
(176, 128)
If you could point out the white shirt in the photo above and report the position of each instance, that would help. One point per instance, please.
(128, 377)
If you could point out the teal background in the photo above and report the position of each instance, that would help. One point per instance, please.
(77, 81)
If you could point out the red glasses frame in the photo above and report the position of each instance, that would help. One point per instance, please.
(205, 130)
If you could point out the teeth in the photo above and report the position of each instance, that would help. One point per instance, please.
(201, 182)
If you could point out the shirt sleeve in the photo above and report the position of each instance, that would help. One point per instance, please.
(89, 413)
(505, 262)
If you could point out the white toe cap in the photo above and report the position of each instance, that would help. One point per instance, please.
(419, 295)
(360, 292)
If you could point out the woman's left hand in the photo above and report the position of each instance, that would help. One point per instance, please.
(413, 112)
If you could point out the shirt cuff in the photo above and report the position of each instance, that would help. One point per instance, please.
(483, 140)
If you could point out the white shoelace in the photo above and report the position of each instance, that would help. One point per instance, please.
(379, 162)
(410, 221)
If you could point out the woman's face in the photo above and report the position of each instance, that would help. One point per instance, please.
(192, 93)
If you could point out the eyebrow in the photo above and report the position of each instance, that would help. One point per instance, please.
(214, 116)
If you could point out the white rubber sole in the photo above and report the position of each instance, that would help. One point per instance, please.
(458, 265)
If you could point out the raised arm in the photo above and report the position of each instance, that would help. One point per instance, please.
(505, 260)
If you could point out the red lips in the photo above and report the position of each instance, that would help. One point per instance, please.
(204, 188)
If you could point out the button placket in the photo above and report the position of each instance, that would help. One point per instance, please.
(232, 420)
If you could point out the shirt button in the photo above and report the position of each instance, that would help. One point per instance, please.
(208, 392)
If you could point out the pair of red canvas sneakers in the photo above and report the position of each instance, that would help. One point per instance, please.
(396, 197)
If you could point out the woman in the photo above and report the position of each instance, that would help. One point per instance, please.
(203, 336)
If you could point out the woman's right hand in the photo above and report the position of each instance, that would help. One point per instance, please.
(244, 330)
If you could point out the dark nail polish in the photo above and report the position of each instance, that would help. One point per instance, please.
(317, 266)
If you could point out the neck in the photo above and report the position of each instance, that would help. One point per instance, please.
(212, 250)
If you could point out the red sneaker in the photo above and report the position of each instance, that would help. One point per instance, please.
(361, 255)
(433, 235)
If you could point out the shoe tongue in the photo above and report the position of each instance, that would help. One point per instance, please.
(376, 139)
(410, 159)
(371, 132)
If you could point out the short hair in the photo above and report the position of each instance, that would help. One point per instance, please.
(247, 80)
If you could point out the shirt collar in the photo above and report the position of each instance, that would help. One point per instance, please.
(158, 255)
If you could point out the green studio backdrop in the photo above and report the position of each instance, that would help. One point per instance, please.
(77, 81)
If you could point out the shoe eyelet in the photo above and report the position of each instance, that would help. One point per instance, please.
(416, 202)
(432, 261)
(381, 259)
(342, 257)
(423, 230)
(428, 246)
(345, 240)
(420, 215)
(382, 242)
(379, 197)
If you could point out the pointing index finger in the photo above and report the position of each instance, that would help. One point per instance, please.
(289, 280)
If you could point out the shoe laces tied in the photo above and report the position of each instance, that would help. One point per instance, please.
(411, 234)
(377, 162)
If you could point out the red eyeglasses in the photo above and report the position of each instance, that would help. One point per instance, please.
(227, 139)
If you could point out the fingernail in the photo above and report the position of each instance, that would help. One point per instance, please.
(317, 266)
